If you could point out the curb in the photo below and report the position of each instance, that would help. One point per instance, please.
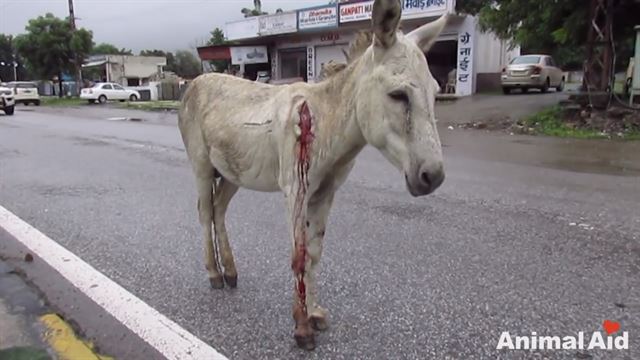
(64, 341)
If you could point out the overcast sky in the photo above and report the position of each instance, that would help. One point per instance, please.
(142, 24)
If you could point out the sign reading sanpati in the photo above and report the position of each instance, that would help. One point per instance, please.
(318, 17)
(356, 12)
(410, 9)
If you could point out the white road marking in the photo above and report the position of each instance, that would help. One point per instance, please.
(157, 330)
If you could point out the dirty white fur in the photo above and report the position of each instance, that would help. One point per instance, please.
(247, 132)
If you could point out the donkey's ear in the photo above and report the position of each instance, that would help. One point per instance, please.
(427, 34)
(385, 20)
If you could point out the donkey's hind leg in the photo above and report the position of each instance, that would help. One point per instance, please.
(205, 183)
(224, 192)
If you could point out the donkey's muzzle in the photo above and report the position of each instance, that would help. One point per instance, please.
(425, 181)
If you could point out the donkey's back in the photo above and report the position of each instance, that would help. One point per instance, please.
(234, 125)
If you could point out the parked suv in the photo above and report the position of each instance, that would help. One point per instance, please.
(7, 102)
(25, 92)
(532, 71)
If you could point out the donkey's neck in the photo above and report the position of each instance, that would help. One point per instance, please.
(337, 129)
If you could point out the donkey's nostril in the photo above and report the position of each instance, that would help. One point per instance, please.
(431, 179)
(424, 177)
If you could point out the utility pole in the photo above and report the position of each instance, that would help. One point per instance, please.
(72, 22)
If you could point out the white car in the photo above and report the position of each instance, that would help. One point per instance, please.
(7, 102)
(103, 92)
(25, 92)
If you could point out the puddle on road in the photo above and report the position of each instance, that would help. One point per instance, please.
(601, 167)
(619, 158)
(585, 156)
(133, 119)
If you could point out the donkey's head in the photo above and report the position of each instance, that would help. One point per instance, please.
(396, 97)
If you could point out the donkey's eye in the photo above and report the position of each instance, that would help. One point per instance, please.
(399, 95)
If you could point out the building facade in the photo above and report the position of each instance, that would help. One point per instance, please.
(298, 43)
(126, 70)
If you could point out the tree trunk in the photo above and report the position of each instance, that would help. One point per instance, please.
(60, 93)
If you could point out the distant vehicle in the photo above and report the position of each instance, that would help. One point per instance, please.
(103, 92)
(263, 77)
(532, 72)
(7, 102)
(25, 92)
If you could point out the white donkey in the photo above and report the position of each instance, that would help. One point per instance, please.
(302, 140)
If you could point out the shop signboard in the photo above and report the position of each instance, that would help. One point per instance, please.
(318, 17)
(281, 23)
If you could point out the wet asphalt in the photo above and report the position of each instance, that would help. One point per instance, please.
(527, 234)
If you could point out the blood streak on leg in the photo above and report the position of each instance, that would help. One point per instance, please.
(300, 231)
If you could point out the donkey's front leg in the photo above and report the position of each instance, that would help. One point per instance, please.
(300, 264)
(318, 212)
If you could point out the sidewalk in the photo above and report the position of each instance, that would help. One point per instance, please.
(28, 328)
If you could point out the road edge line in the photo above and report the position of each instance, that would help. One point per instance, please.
(167, 337)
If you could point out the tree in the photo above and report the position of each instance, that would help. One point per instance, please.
(9, 58)
(556, 27)
(217, 38)
(50, 47)
(256, 11)
(109, 49)
(187, 64)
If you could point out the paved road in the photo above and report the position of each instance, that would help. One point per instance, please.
(526, 235)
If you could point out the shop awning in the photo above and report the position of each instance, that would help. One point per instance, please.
(94, 63)
(214, 52)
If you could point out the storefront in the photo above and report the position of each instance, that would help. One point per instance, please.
(301, 42)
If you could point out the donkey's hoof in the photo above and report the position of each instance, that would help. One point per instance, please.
(216, 282)
(231, 280)
(318, 323)
(305, 341)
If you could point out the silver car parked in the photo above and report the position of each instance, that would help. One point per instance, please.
(532, 71)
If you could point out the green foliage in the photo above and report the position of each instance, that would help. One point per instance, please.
(557, 27)
(62, 101)
(550, 122)
(51, 48)
(154, 52)
(256, 11)
(161, 105)
(9, 54)
(186, 64)
(217, 38)
(109, 49)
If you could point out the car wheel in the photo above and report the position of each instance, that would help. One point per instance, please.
(560, 87)
(9, 110)
(506, 90)
(102, 99)
(525, 90)
(546, 86)
(26, 103)
(133, 98)
(36, 103)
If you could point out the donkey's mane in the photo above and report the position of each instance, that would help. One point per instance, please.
(356, 49)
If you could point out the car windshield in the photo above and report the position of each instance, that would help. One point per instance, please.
(525, 60)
